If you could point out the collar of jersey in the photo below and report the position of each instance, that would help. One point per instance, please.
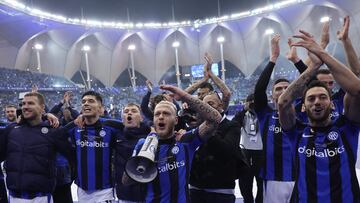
(97, 124)
(321, 129)
(42, 124)
(170, 140)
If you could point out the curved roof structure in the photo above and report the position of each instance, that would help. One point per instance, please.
(245, 46)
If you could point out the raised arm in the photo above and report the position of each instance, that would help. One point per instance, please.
(287, 114)
(347, 80)
(218, 82)
(260, 97)
(343, 76)
(325, 39)
(351, 56)
(210, 115)
(197, 84)
(294, 58)
(145, 105)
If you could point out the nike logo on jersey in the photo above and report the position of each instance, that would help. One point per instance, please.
(305, 135)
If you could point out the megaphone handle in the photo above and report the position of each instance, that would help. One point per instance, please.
(134, 152)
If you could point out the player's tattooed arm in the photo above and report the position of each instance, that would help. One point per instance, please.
(196, 85)
(286, 109)
(210, 115)
(218, 82)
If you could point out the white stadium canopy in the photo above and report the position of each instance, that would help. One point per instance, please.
(246, 44)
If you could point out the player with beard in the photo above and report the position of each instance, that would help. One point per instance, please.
(214, 167)
(173, 157)
(29, 149)
(325, 150)
(277, 170)
(10, 113)
(327, 78)
(134, 129)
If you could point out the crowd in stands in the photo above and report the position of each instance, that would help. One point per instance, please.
(13, 82)
(13, 79)
(54, 87)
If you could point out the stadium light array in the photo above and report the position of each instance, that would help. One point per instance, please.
(220, 39)
(151, 25)
(325, 19)
(86, 48)
(38, 46)
(131, 47)
(269, 31)
(175, 44)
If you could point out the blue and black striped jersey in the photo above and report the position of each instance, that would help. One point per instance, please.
(278, 162)
(174, 163)
(325, 162)
(94, 145)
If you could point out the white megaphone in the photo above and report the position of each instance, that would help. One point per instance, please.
(142, 167)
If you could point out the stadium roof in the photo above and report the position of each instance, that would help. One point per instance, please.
(245, 46)
(144, 10)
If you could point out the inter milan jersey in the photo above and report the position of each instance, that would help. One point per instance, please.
(278, 164)
(174, 164)
(93, 146)
(338, 101)
(325, 162)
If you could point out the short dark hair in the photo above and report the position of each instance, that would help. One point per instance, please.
(155, 100)
(315, 83)
(281, 80)
(207, 85)
(133, 104)
(250, 97)
(323, 71)
(38, 95)
(93, 93)
(10, 106)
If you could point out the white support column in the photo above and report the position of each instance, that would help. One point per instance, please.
(222, 62)
(88, 79)
(132, 48)
(38, 60)
(133, 77)
(221, 41)
(176, 44)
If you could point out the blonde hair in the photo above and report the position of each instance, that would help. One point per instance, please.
(168, 103)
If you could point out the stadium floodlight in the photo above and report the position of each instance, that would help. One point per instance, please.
(269, 31)
(131, 47)
(176, 44)
(221, 39)
(86, 48)
(325, 19)
(38, 46)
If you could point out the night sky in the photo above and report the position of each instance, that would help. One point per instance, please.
(144, 10)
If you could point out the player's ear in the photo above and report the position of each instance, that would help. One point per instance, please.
(303, 107)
